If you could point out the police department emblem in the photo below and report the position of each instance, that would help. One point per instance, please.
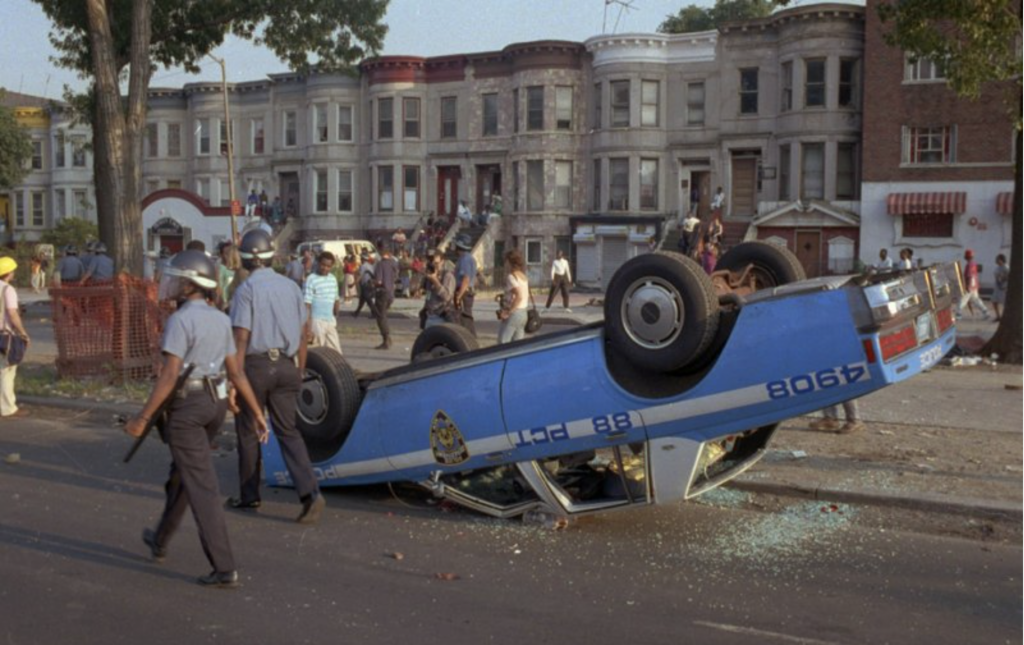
(446, 441)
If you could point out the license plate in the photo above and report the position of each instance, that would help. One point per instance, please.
(924, 328)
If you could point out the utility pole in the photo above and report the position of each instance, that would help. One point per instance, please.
(231, 148)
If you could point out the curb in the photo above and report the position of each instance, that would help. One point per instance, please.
(85, 405)
(927, 502)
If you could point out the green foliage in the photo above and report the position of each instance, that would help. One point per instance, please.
(331, 35)
(693, 18)
(15, 149)
(71, 230)
(976, 42)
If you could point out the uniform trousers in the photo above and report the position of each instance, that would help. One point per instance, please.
(365, 298)
(466, 313)
(192, 424)
(382, 302)
(559, 284)
(276, 385)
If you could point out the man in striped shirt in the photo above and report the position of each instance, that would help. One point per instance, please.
(324, 303)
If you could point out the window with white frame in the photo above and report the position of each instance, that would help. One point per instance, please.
(58, 151)
(649, 184)
(814, 82)
(19, 209)
(812, 168)
(490, 116)
(563, 107)
(695, 103)
(203, 136)
(597, 107)
(152, 140)
(385, 188)
(173, 139)
(534, 251)
(258, 136)
(78, 152)
(224, 186)
(320, 130)
(535, 108)
(203, 189)
(410, 188)
(748, 90)
(840, 255)
(449, 117)
(345, 191)
(932, 145)
(344, 123)
(620, 103)
(786, 95)
(38, 208)
(849, 75)
(514, 206)
(534, 185)
(62, 205)
(411, 118)
(37, 154)
(320, 190)
(930, 225)
(174, 183)
(784, 173)
(597, 185)
(80, 203)
(291, 129)
(515, 110)
(563, 184)
(227, 130)
(618, 185)
(152, 186)
(922, 69)
(649, 93)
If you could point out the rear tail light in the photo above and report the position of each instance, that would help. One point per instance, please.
(869, 350)
(897, 342)
(944, 319)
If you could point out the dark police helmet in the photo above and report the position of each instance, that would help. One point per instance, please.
(464, 242)
(256, 244)
(100, 248)
(70, 249)
(194, 266)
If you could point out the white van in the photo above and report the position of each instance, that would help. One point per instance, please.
(339, 248)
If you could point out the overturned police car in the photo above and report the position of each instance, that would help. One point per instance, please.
(678, 390)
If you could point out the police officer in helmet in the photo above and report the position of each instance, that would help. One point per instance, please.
(270, 323)
(196, 334)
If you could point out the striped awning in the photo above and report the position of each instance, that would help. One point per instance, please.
(920, 203)
(1004, 203)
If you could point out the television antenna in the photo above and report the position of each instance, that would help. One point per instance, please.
(624, 6)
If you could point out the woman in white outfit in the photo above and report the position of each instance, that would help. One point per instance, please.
(517, 298)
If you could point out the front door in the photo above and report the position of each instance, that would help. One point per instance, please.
(488, 184)
(291, 194)
(173, 243)
(744, 187)
(808, 251)
(448, 191)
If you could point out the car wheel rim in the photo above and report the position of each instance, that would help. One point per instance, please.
(652, 313)
(313, 400)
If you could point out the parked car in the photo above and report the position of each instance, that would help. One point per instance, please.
(340, 248)
(678, 390)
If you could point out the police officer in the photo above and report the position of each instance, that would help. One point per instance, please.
(200, 335)
(384, 276)
(70, 269)
(270, 325)
(101, 269)
(465, 279)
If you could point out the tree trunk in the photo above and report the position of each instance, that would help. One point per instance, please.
(101, 167)
(1007, 340)
(119, 129)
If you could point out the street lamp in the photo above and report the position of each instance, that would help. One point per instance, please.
(231, 148)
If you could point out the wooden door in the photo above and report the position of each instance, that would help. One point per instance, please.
(743, 200)
(808, 251)
(447, 191)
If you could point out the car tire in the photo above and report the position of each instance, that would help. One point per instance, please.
(442, 340)
(329, 401)
(774, 265)
(660, 311)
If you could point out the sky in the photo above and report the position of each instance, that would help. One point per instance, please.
(415, 28)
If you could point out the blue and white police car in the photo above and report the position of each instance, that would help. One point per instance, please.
(678, 390)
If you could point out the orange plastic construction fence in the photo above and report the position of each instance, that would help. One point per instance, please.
(110, 328)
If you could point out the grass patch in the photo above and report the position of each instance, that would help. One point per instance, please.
(41, 380)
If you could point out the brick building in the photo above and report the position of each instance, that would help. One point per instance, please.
(938, 171)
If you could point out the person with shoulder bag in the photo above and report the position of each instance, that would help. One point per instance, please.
(439, 284)
(14, 340)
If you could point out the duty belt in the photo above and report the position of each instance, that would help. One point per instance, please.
(208, 384)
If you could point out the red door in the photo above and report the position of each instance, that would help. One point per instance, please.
(173, 243)
(448, 191)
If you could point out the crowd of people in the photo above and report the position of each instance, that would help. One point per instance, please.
(701, 239)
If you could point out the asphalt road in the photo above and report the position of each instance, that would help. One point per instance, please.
(73, 569)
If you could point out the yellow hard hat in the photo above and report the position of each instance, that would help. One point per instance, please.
(7, 265)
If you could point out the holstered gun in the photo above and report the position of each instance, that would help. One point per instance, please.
(159, 420)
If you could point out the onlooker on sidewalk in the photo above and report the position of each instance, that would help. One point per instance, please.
(324, 303)
(515, 300)
(561, 280)
(718, 203)
(830, 422)
(439, 284)
(689, 234)
(10, 323)
(709, 258)
(971, 296)
(1002, 276)
(37, 273)
(884, 261)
